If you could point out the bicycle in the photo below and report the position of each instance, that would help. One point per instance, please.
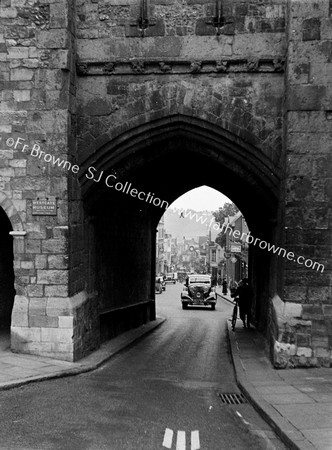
(234, 315)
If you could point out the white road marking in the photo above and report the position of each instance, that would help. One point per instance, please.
(181, 441)
(195, 445)
(168, 438)
(242, 418)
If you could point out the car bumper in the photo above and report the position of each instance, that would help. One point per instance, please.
(211, 300)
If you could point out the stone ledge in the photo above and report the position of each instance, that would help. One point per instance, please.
(171, 66)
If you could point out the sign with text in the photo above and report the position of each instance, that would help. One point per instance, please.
(44, 207)
(236, 248)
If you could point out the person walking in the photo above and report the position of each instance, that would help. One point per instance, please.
(244, 293)
(224, 287)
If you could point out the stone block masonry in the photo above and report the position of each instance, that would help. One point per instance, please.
(77, 76)
(36, 77)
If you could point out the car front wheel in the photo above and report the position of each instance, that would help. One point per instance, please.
(184, 305)
(213, 306)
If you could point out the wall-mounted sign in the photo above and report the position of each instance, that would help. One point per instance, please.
(44, 207)
(236, 248)
(233, 259)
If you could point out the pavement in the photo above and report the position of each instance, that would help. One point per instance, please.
(17, 369)
(297, 403)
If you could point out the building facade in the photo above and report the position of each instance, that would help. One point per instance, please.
(97, 96)
(236, 248)
(160, 247)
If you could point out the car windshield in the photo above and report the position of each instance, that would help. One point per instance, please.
(199, 280)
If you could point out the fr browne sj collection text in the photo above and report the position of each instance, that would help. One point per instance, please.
(91, 174)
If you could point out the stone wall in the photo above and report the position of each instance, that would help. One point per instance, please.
(182, 64)
(234, 79)
(77, 78)
(304, 336)
(37, 77)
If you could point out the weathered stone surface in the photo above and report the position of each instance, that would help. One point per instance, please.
(35, 290)
(21, 334)
(311, 29)
(52, 276)
(57, 262)
(19, 319)
(56, 290)
(41, 262)
(56, 335)
(66, 322)
(52, 39)
(306, 98)
(157, 28)
(43, 321)
(232, 84)
(54, 245)
(37, 306)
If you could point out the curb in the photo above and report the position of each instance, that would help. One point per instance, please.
(289, 434)
(225, 298)
(107, 351)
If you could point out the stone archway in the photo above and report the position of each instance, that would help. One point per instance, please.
(12, 245)
(166, 158)
(7, 291)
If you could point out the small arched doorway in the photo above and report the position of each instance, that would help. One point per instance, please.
(7, 291)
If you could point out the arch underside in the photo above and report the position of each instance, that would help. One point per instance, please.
(179, 147)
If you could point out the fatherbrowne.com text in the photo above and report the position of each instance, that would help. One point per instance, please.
(249, 239)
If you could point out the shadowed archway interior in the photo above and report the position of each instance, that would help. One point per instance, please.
(7, 291)
(166, 160)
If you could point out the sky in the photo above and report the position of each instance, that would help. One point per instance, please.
(203, 198)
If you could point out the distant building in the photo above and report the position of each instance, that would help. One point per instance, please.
(160, 259)
(235, 266)
(216, 256)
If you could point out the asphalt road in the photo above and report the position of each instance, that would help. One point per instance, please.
(161, 393)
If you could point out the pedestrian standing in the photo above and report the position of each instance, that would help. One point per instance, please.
(244, 293)
(224, 287)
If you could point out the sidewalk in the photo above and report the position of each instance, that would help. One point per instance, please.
(225, 297)
(297, 403)
(18, 369)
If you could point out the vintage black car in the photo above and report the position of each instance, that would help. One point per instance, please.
(170, 278)
(198, 290)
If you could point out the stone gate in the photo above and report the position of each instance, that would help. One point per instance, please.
(111, 105)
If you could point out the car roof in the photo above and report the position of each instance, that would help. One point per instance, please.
(202, 275)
